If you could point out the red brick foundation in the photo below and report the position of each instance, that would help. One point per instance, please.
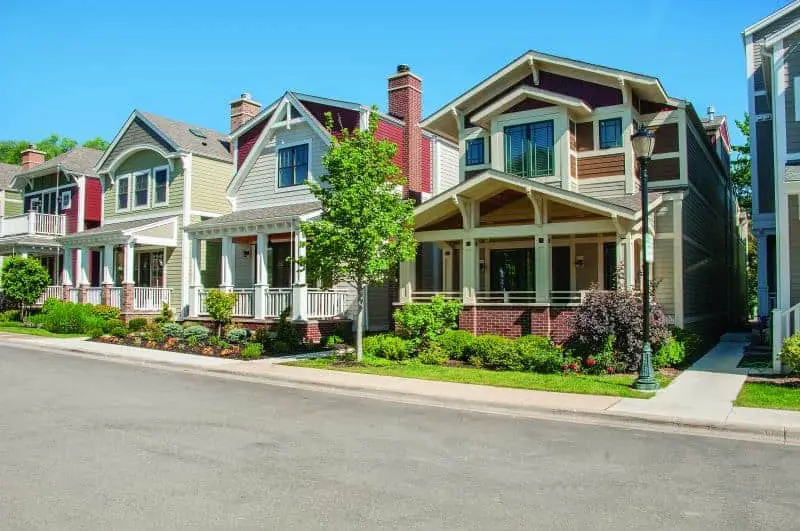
(516, 321)
(313, 330)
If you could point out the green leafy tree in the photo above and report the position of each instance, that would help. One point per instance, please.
(219, 305)
(53, 145)
(96, 143)
(366, 228)
(741, 179)
(23, 280)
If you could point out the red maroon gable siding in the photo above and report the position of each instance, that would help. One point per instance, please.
(94, 200)
(247, 141)
(342, 118)
(393, 133)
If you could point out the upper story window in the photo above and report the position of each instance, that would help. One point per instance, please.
(293, 165)
(66, 200)
(123, 193)
(529, 149)
(147, 188)
(141, 189)
(611, 133)
(475, 151)
(160, 182)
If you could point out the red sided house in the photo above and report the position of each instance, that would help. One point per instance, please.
(59, 196)
(277, 151)
(548, 202)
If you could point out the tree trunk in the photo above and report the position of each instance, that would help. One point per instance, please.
(360, 323)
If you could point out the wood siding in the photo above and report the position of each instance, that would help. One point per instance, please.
(94, 200)
(585, 136)
(173, 268)
(664, 169)
(248, 140)
(601, 166)
(393, 133)
(138, 133)
(145, 160)
(766, 166)
(448, 166)
(792, 71)
(210, 179)
(666, 139)
(12, 203)
(664, 272)
(602, 187)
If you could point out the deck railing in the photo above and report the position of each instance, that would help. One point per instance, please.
(94, 295)
(150, 299)
(505, 297)
(115, 298)
(326, 303)
(54, 292)
(244, 302)
(426, 296)
(276, 300)
(34, 223)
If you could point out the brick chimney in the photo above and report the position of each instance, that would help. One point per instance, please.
(242, 110)
(405, 102)
(31, 157)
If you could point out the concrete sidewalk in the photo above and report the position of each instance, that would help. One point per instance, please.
(700, 397)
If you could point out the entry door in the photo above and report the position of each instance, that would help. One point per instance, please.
(609, 265)
(561, 269)
(511, 269)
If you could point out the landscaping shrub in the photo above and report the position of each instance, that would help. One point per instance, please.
(96, 332)
(538, 354)
(154, 332)
(112, 323)
(36, 320)
(387, 346)
(119, 331)
(694, 345)
(455, 343)
(603, 361)
(281, 347)
(495, 352)
(9, 315)
(173, 330)
(790, 353)
(332, 341)
(66, 317)
(219, 305)
(23, 280)
(286, 332)
(237, 335)
(671, 354)
(619, 314)
(251, 351)
(137, 325)
(105, 312)
(433, 355)
(196, 333)
(422, 323)
(265, 338)
(166, 315)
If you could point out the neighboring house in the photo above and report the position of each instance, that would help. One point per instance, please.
(773, 86)
(277, 151)
(158, 176)
(10, 199)
(53, 198)
(548, 202)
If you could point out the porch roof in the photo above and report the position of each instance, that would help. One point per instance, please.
(257, 218)
(28, 242)
(158, 231)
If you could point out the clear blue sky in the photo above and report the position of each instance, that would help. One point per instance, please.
(79, 68)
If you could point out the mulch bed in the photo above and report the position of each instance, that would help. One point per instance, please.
(791, 382)
(171, 345)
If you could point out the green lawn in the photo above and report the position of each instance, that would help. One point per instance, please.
(17, 328)
(767, 395)
(607, 385)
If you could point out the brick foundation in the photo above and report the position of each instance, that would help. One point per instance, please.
(516, 321)
(313, 330)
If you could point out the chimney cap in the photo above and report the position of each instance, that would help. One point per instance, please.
(711, 111)
(402, 68)
(246, 96)
(31, 146)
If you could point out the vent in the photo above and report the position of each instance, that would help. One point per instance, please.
(198, 133)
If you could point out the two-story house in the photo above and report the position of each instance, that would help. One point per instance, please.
(548, 201)
(52, 198)
(773, 87)
(158, 175)
(277, 152)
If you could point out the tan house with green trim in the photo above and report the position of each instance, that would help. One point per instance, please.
(158, 176)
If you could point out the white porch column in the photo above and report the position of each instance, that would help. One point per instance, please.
(630, 263)
(195, 279)
(66, 273)
(127, 277)
(763, 276)
(469, 270)
(543, 268)
(407, 281)
(447, 267)
(108, 264)
(260, 287)
(83, 264)
(299, 289)
(226, 282)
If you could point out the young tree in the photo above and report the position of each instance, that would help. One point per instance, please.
(366, 228)
(219, 305)
(741, 173)
(23, 281)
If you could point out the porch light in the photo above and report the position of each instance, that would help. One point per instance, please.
(643, 142)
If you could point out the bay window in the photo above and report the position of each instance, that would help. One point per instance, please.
(529, 149)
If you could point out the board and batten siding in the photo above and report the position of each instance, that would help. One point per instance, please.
(260, 187)
(210, 179)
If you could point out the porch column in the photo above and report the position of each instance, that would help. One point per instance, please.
(108, 281)
(127, 278)
(469, 270)
(763, 276)
(447, 267)
(299, 289)
(543, 268)
(66, 272)
(83, 264)
(407, 281)
(262, 280)
(195, 281)
(228, 257)
(630, 263)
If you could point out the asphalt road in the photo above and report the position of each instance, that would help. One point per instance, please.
(89, 444)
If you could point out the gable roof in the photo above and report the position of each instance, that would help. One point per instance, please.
(772, 17)
(79, 160)
(7, 172)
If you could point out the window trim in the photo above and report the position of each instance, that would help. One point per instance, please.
(289, 145)
(127, 178)
(153, 172)
(132, 190)
(467, 144)
(554, 147)
(620, 139)
(68, 195)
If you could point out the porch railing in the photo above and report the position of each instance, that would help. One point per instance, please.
(426, 296)
(326, 303)
(74, 295)
(115, 298)
(244, 302)
(150, 299)
(276, 300)
(35, 223)
(55, 292)
(94, 295)
(505, 297)
(785, 323)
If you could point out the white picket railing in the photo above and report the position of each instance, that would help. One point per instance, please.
(74, 295)
(94, 295)
(115, 298)
(785, 323)
(150, 299)
(505, 297)
(244, 302)
(35, 223)
(326, 303)
(54, 292)
(276, 301)
(426, 296)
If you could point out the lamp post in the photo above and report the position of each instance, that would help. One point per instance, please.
(643, 142)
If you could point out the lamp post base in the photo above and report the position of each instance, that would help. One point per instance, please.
(646, 380)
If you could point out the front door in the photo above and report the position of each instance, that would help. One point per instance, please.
(562, 268)
(609, 265)
(511, 270)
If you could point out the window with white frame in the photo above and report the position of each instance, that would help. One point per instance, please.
(123, 193)
(66, 200)
(292, 165)
(160, 186)
(141, 189)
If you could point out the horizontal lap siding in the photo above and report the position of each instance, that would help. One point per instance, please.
(210, 179)
(448, 166)
(144, 160)
(601, 166)
(794, 249)
(260, 189)
(792, 71)
(663, 273)
(602, 187)
(172, 266)
(663, 218)
(137, 134)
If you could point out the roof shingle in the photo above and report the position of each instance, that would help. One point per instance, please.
(7, 172)
(211, 143)
(78, 160)
(258, 214)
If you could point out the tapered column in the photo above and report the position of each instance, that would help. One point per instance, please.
(262, 277)
(543, 268)
(108, 265)
(195, 281)
(407, 275)
(299, 289)
(127, 278)
(83, 267)
(226, 282)
(469, 270)
(66, 273)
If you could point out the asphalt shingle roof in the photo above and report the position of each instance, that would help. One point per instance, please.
(259, 214)
(78, 160)
(632, 201)
(113, 228)
(7, 172)
(215, 144)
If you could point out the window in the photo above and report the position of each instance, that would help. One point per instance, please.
(141, 192)
(66, 200)
(529, 149)
(160, 181)
(122, 193)
(35, 205)
(475, 151)
(293, 165)
(611, 133)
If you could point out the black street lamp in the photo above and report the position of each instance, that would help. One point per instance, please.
(643, 142)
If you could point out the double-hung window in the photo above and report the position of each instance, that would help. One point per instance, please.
(475, 151)
(529, 149)
(292, 165)
(611, 133)
(160, 183)
(66, 200)
(141, 189)
(123, 191)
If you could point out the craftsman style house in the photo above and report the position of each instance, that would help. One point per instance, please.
(773, 87)
(277, 151)
(47, 199)
(158, 175)
(547, 203)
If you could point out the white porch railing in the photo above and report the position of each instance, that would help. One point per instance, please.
(244, 302)
(115, 298)
(505, 297)
(35, 223)
(426, 296)
(55, 292)
(276, 300)
(74, 295)
(566, 297)
(326, 303)
(785, 323)
(150, 299)
(94, 295)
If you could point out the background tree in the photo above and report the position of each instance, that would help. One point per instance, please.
(741, 175)
(366, 228)
(23, 280)
(53, 145)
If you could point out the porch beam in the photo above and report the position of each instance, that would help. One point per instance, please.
(512, 231)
